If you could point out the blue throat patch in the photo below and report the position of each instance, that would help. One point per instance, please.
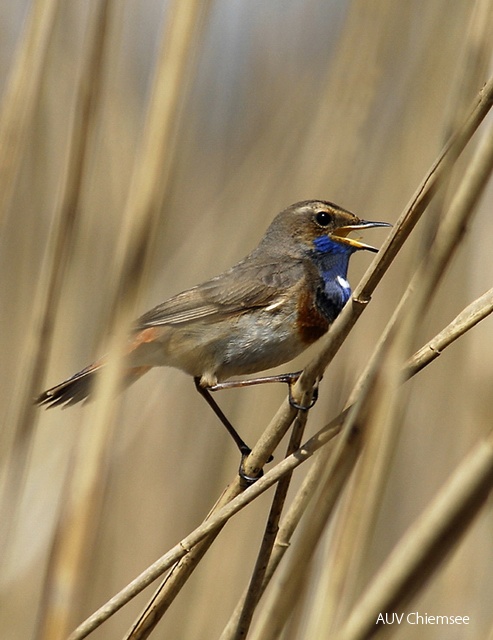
(323, 244)
(332, 259)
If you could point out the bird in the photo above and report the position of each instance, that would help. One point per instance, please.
(262, 312)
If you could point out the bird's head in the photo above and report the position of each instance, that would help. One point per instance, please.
(321, 226)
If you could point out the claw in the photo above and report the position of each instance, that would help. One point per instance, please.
(246, 479)
(300, 407)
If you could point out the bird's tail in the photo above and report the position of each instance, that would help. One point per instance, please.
(80, 385)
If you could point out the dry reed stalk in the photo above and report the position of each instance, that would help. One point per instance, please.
(150, 181)
(72, 534)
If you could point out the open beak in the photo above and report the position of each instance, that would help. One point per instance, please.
(341, 234)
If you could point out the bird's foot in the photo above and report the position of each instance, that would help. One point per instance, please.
(245, 479)
(292, 401)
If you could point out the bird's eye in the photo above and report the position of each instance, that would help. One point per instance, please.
(323, 218)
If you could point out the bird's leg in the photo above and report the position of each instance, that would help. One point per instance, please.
(240, 443)
(204, 392)
(287, 378)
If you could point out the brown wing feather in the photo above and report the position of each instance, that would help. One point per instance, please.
(246, 286)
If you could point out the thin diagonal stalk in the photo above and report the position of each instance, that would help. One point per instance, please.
(276, 544)
(352, 535)
(465, 320)
(448, 238)
(185, 565)
(336, 472)
(255, 590)
(453, 228)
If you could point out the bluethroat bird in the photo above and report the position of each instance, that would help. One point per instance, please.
(261, 313)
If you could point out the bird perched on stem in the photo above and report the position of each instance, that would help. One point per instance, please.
(260, 313)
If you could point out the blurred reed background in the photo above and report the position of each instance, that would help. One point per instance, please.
(275, 102)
